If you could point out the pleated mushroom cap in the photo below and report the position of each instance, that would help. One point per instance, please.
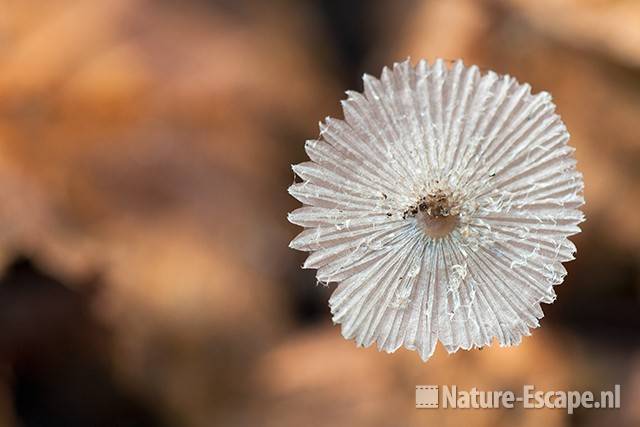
(441, 206)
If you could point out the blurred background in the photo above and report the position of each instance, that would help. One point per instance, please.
(145, 151)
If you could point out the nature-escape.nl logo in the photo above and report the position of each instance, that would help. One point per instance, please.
(429, 396)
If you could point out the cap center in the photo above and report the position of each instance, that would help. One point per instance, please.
(436, 214)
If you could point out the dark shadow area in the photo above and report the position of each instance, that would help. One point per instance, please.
(56, 356)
